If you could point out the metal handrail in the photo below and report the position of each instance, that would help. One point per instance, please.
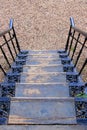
(4, 32)
(16, 47)
(8, 29)
(69, 44)
(80, 31)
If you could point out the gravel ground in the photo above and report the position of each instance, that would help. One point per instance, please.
(43, 24)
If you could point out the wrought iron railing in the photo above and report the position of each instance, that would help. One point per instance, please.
(71, 58)
(8, 37)
(7, 87)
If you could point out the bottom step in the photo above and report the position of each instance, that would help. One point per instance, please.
(43, 127)
(42, 111)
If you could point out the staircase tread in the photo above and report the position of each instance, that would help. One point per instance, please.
(45, 110)
(43, 69)
(44, 56)
(39, 65)
(39, 90)
(43, 77)
(54, 83)
(43, 127)
(33, 62)
(42, 51)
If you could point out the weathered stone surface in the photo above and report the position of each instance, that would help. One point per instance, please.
(43, 51)
(43, 78)
(44, 56)
(42, 111)
(43, 127)
(41, 90)
(43, 62)
(43, 69)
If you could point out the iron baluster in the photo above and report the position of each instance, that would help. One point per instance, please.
(67, 43)
(72, 24)
(16, 39)
(80, 52)
(5, 56)
(71, 42)
(9, 47)
(84, 64)
(3, 70)
(75, 47)
(13, 44)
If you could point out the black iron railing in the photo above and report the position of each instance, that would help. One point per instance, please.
(10, 39)
(71, 58)
(75, 37)
(10, 45)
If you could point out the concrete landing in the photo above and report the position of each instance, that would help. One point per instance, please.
(43, 69)
(43, 77)
(43, 127)
(42, 111)
(41, 90)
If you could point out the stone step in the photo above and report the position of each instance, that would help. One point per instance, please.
(41, 90)
(31, 58)
(40, 54)
(49, 77)
(43, 52)
(43, 55)
(43, 62)
(43, 127)
(43, 69)
(26, 110)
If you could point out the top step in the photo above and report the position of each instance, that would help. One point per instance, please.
(43, 52)
(44, 56)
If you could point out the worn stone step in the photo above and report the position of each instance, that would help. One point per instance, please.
(43, 62)
(41, 90)
(43, 69)
(44, 59)
(46, 55)
(43, 52)
(43, 77)
(38, 61)
(32, 58)
(26, 110)
(39, 54)
(43, 127)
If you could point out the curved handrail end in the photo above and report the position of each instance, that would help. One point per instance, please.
(72, 23)
(11, 23)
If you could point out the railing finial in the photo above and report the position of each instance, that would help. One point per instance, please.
(72, 23)
(11, 23)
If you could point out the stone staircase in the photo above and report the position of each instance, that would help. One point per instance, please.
(42, 98)
(43, 89)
